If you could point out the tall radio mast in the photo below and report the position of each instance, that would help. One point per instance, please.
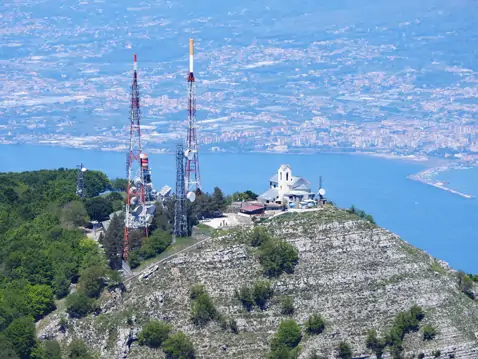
(135, 209)
(193, 180)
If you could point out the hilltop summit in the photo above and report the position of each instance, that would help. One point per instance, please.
(356, 275)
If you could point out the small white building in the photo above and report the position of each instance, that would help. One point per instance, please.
(285, 188)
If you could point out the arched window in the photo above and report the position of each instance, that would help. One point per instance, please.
(287, 176)
(281, 175)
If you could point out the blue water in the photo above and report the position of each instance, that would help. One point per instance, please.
(443, 224)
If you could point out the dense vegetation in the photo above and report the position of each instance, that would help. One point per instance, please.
(157, 334)
(404, 323)
(361, 214)
(43, 250)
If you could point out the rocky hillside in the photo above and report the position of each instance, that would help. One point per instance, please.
(356, 275)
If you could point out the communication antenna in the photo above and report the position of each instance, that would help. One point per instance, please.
(136, 169)
(80, 180)
(180, 219)
(193, 181)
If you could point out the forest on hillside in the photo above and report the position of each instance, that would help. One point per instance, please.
(45, 256)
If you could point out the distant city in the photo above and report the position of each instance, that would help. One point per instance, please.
(383, 89)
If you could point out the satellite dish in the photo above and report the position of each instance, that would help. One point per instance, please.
(133, 200)
(191, 196)
(310, 205)
(322, 191)
(83, 169)
(189, 154)
(132, 190)
(138, 181)
(137, 211)
(291, 204)
(149, 219)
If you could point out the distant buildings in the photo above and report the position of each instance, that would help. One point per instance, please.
(285, 188)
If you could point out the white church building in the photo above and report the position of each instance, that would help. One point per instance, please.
(285, 188)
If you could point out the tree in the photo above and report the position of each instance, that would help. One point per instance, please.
(74, 215)
(95, 183)
(218, 200)
(92, 280)
(258, 236)
(154, 334)
(52, 349)
(98, 208)
(78, 305)
(288, 335)
(203, 310)
(41, 300)
(78, 350)
(178, 346)
(278, 257)
(7, 351)
(21, 334)
(315, 324)
(345, 352)
(119, 184)
(114, 196)
(113, 242)
(262, 292)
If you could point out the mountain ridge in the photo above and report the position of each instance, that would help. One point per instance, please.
(356, 275)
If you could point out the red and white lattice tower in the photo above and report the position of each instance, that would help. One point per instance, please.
(193, 179)
(135, 208)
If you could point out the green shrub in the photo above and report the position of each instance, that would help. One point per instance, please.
(196, 291)
(315, 324)
(51, 349)
(466, 284)
(417, 312)
(429, 332)
(245, 296)
(78, 305)
(345, 351)
(78, 350)
(134, 259)
(374, 343)
(277, 257)
(21, 336)
(436, 353)
(154, 334)
(258, 236)
(233, 326)
(288, 335)
(287, 306)
(262, 292)
(178, 346)
(203, 310)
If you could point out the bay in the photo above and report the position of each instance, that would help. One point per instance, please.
(441, 223)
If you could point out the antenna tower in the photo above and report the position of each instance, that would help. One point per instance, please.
(180, 219)
(135, 209)
(80, 183)
(193, 181)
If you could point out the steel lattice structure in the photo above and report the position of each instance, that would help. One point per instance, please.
(135, 209)
(193, 179)
(180, 219)
(80, 182)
